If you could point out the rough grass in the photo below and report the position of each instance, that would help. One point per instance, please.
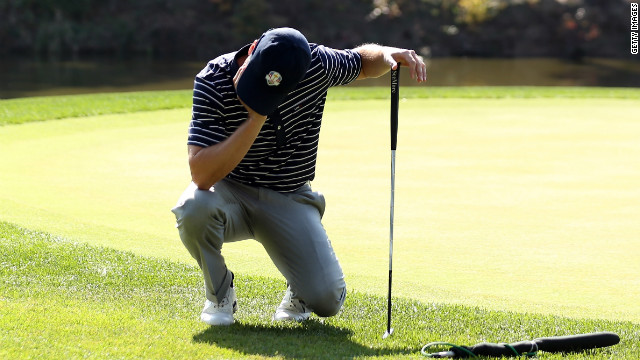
(22, 110)
(61, 299)
(65, 300)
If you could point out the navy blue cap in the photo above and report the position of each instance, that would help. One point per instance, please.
(279, 61)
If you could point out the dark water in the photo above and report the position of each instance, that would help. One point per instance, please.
(32, 78)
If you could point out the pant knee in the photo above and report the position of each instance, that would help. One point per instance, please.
(197, 224)
(328, 302)
(190, 214)
(195, 212)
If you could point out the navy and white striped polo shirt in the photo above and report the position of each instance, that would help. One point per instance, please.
(283, 156)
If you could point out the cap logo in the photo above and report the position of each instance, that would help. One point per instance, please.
(273, 78)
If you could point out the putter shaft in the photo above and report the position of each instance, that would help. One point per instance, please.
(395, 89)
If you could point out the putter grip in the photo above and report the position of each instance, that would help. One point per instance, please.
(577, 342)
(395, 96)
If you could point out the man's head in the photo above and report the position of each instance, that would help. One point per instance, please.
(279, 60)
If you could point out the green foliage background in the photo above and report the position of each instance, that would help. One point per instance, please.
(200, 29)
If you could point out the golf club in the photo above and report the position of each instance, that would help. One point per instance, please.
(395, 90)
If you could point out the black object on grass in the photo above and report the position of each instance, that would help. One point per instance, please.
(556, 344)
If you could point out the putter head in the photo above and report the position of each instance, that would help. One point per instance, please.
(387, 333)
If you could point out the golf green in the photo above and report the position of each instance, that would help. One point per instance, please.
(520, 204)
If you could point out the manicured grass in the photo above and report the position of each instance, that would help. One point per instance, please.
(66, 300)
(485, 92)
(529, 205)
(17, 111)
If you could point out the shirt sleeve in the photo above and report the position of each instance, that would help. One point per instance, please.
(207, 120)
(341, 66)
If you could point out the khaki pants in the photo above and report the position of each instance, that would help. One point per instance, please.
(288, 225)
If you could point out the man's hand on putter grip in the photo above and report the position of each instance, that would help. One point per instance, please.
(408, 58)
(377, 60)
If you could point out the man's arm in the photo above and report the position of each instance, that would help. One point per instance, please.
(211, 164)
(377, 60)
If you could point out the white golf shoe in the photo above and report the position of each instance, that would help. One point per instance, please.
(220, 314)
(291, 308)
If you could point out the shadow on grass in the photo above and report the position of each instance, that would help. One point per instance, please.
(310, 340)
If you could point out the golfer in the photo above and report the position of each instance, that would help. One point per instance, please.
(252, 146)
